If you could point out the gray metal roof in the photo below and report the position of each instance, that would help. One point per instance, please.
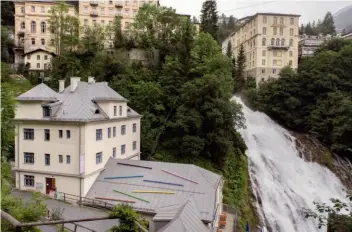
(186, 220)
(204, 193)
(40, 92)
(79, 105)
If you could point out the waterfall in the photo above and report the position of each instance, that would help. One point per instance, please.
(283, 182)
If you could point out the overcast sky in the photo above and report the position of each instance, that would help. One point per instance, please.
(309, 10)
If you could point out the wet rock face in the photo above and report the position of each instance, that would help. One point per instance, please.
(310, 149)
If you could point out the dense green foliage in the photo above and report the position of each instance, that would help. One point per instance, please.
(324, 27)
(227, 25)
(337, 218)
(7, 13)
(127, 219)
(6, 44)
(239, 70)
(317, 98)
(209, 18)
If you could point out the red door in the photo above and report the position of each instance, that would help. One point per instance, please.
(49, 185)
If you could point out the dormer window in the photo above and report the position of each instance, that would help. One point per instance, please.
(97, 111)
(46, 111)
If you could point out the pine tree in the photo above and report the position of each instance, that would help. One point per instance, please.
(209, 18)
(328, 26)
(240, 65)
(301, 30)
(195, 20)
(231, 24)
(229, 49)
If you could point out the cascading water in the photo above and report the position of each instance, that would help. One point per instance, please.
(282, 181)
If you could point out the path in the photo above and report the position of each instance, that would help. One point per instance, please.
(72, 211)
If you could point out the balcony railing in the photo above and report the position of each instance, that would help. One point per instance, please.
(21, 32)
(94, 3)
(281, 47)
(119, 14)
(119, 4)
(94, 13)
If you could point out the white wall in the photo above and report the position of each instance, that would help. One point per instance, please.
(63, 184)
(106, 144)
(54, 147)
(108, 108)
(33, 60)
(32, 110)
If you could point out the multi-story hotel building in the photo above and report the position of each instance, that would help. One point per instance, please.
(63, 139)
(32, 29)
(270, 42)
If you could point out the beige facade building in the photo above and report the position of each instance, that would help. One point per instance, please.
(63, 140)
(270, 42)
(32, 28)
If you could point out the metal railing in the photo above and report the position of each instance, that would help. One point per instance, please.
(66, 197)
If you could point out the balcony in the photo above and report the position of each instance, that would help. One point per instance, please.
(21, 32)
(119, 4)
(93, 3)
(94, 13)
(278, 47)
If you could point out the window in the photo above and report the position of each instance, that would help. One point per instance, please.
(291, 42)
(43, 27)
(45, 66)
(99, 134)
(123, 129)
(114, 152)
(123, 149)
(47, 159)
(274, 62)
(60, 133)
(275, 20)
(68, 134)
(46, 134)
(282, 42)
(263, 71)
(292, 20)
(115, 110)
(85, 8)
(22, 9)
(290, 62)
(29, 180)
(272, 41)
(28, 158)
(264, 30)
(29, 56)
(134, 145)
(109, 132)
(38, 57)
(86, 22)
(134, 12)
(42, 9)
(68, 159)
(98, 157)
(23, 25)
(33, 8)
(43, 41)
(278, 42)
(114, 131)
(134, 127)
(52, 42)
(291, 31)
(110, 2)
(46, 110)
(45, 57)
(102, 9)
(265, 19)
(290, 53)
(279, 62)
(263, 42)
(281, 31)
(110, 11)
(274, 71)
(33, 27)
(61, 159)
(94, 22)
(263, 61)
(28, 134)
(33, 41)
(263, 53)
(102, 23)
(281, 20)
(120, 110)
(275, 31)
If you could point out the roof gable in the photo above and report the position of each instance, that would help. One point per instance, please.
(40, 92)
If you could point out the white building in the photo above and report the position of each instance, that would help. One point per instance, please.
(38, 60)
(64, 139)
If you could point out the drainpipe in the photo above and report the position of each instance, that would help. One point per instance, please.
(18, 156)
(79, 163)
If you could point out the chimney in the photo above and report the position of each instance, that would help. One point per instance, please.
(91, 80)
(74, 83)
(61, 86)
